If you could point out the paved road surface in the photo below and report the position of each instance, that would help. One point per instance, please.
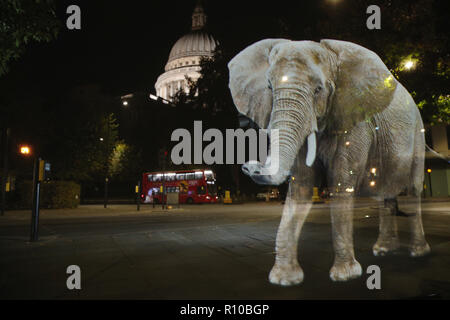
(207, 252)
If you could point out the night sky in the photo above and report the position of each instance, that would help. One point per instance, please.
(123, 45)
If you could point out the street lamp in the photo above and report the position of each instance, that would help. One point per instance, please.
(409, 63)
(25, 150)
(38, 176)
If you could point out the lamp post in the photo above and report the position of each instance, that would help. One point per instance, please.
(429, 179)
(105, 200)
(38, 175)
(34, 231)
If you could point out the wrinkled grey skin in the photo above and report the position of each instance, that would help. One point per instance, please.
(361, 117)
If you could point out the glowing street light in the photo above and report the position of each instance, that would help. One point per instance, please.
(25, 150)
(125, 103)
(409, 64)
(372, 183)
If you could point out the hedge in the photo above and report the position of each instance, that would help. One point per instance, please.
(54, 194)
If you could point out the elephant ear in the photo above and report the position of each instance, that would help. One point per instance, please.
(364, 85)
(248, 82)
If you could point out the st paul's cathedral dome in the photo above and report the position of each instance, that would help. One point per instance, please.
(184, 57)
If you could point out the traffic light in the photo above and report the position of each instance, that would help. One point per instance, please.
(163, 156)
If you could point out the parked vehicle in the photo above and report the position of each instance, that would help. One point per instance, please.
(193, 186)
(268, 195)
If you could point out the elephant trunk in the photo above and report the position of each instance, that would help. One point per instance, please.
(294, 119)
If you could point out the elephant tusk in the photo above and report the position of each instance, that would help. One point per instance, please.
(312, 146)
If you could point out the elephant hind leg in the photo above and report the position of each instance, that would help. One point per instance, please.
(418, 245)
(388, 235)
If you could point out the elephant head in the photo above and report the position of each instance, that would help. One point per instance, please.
(302, 88)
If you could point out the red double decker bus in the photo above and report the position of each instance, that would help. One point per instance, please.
(193, 186)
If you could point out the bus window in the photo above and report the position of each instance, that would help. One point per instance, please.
(212, 189)
(171, 189)
(209, 175)
(181, 176)
(169, 176)
(190, 176)
(150, 178)
(157, 177)
(198, 175)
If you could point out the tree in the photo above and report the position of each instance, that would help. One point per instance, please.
(23, 21)
(413, 42)
(69, 129)
(413, 30)
(125, 162)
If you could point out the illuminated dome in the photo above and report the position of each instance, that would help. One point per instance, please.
(196, 43)
(184, 58)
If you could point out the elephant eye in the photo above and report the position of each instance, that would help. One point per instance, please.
(318, 89)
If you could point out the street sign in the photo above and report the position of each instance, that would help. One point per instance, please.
(44, 170)
(41, 170)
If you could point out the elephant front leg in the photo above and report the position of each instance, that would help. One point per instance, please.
(287, 270)
(345, 266)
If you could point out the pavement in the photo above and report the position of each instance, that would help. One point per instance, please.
(208, 252)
